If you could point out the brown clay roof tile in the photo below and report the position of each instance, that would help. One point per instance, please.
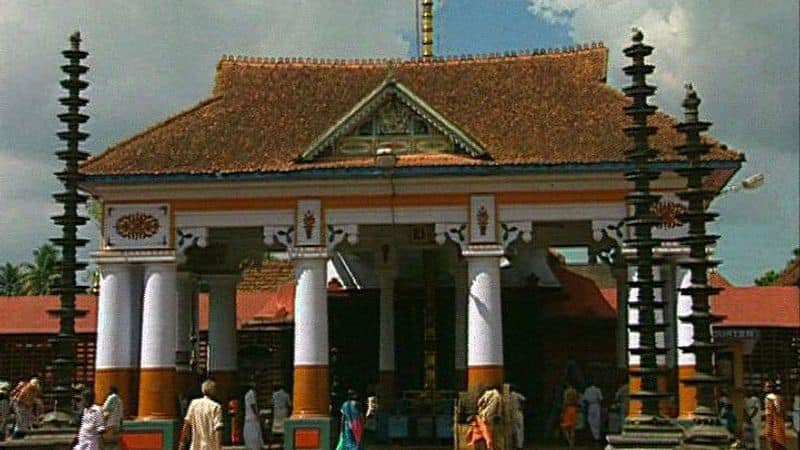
(551, 108)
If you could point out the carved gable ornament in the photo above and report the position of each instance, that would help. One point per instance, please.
(392, 117)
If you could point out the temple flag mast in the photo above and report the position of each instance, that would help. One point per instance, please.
(427, 30)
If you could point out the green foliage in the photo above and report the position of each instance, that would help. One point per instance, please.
(768, 279)
(771, 277)
(41, 277)
(10, 280)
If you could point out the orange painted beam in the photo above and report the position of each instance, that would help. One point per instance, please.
(377, 201)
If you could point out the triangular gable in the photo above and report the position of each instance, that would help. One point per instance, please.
(392, 90)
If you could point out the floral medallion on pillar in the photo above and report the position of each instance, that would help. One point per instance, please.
(136, 226)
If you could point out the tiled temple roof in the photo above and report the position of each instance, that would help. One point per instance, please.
(540, 108)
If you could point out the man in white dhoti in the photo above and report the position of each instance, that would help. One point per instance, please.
(281, 405)
(92, 424)
(517, 401)
(112, 413)
(253, 439)
(592, 402)
(752, 420)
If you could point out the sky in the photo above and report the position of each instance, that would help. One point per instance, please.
(150, 59)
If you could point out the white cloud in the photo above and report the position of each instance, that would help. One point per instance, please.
(148, 59)
(743, 59)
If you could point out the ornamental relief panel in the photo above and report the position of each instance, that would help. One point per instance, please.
(483, 219)
(308, 223)
(394, 125)
(668, 211)
(136, 226)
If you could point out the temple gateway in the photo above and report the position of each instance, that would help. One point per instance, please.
(439, 184)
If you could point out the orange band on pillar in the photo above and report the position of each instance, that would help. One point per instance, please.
(125, 380)
(460, 379)
(311, 392)
(386, 379)
(686, 394)
(484, 376)
(184, 380)
(157, 397)
(226, 382)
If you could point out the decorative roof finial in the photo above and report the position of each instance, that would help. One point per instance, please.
(637, 35)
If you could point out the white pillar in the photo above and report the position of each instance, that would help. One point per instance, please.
(184, 323)
(686, 360)
(118, 331)
(222, 347)
(311, 373)
(386, 352)
(157, 396)
(485, 317)
(459, 273)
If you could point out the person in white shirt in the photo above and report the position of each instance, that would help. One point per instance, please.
(592, 401)
(92, 424)
(281, 406)
(752, 417)
(517, 402)
(112, 413)
(203, 421)
(253, 439)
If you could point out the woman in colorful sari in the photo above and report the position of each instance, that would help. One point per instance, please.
(351, 436)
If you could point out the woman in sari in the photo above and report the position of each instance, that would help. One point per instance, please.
(351, 436)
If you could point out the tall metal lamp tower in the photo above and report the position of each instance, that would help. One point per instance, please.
(647, 430)
(707, 431)
(69, 221)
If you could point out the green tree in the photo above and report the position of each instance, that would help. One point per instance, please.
(10, 279)
(41, 276)
(771, 277)
(768, 279)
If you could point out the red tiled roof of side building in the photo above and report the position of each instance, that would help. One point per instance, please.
(751, 306)
(584, 298)
(28, 314)
(552, 108)
(253, 305)
(758, 306)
